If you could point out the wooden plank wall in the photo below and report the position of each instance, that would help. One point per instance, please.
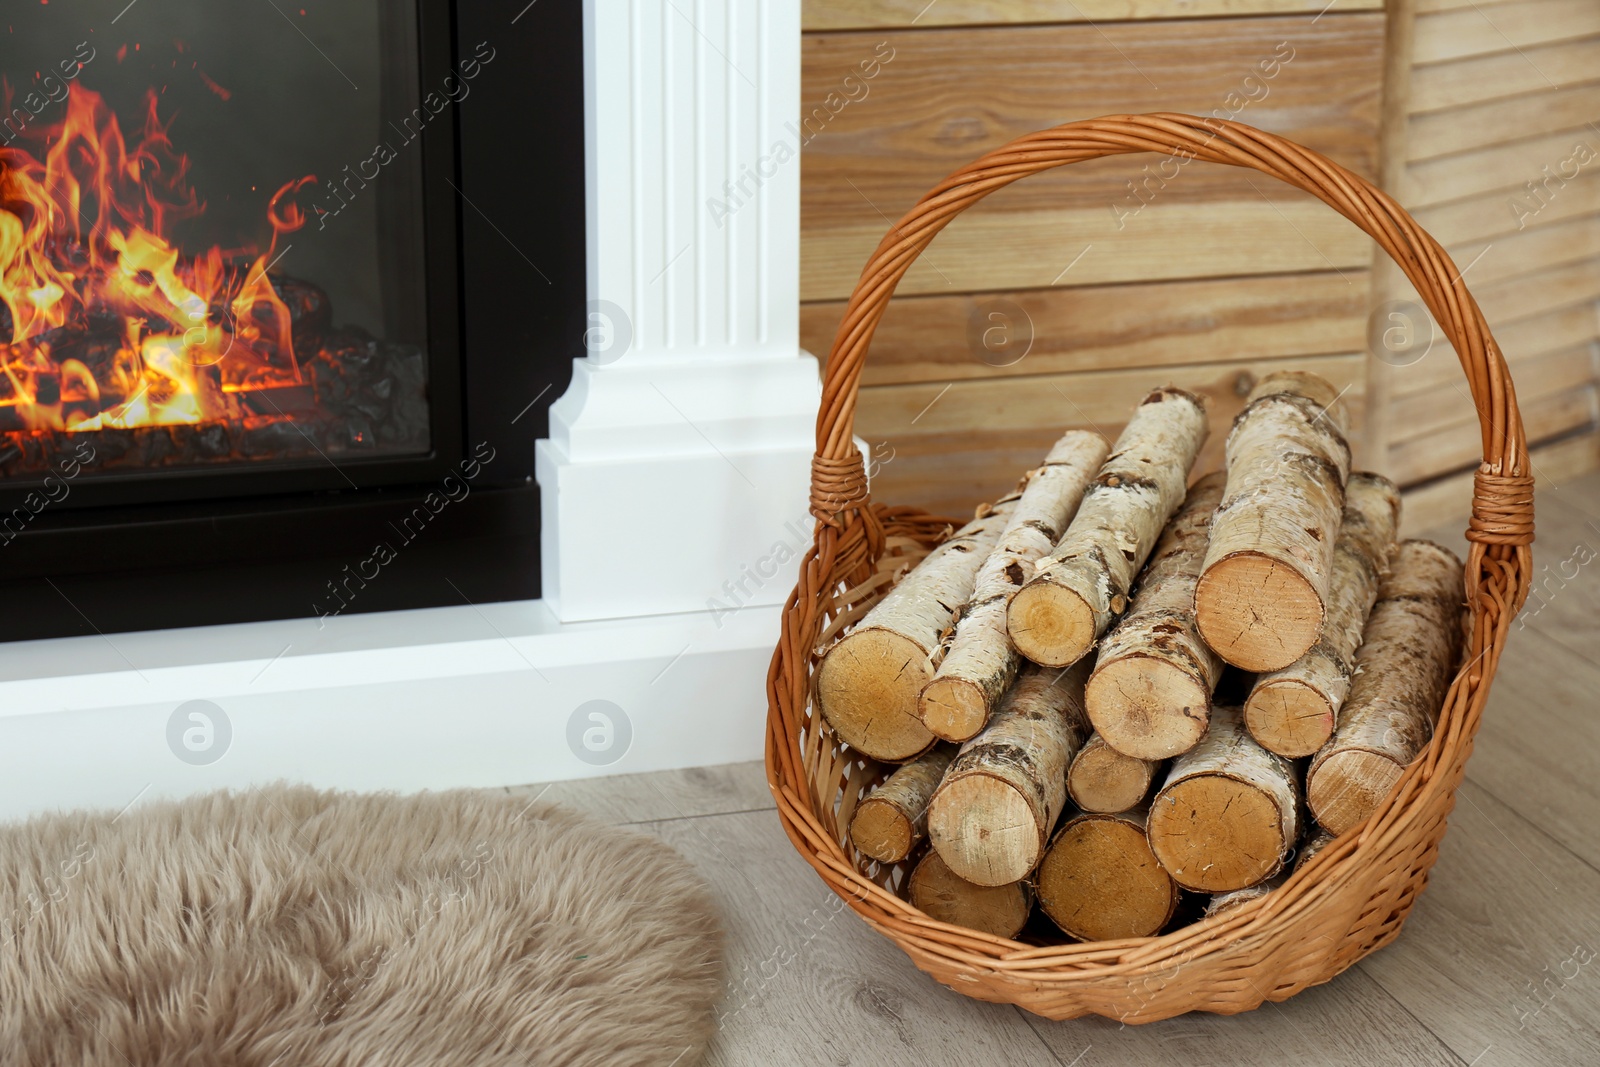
(1064, 298)
(1495, 147)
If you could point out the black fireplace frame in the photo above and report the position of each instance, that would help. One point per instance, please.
(503, 222)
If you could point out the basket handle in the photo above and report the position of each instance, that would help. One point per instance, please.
(1502, 506)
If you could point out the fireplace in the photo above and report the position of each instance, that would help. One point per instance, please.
(285, 293)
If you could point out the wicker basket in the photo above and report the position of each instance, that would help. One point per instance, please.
(1348, 901)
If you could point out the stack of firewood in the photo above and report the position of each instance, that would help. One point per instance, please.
(1112, 686)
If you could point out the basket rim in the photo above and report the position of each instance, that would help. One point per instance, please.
(851, 532)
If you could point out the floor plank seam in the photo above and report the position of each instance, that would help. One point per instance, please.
(1443, 1044)
(1546, 834)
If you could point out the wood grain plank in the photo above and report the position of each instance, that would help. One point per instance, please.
(1004, 250)
(1527, 295)
(1529, 70)
(1491, 122)
(1460, 446)
(1508, 211)
(1505, 906)
(817, 15)
(1449, 499)
(1520, 340)
(1421, 414)
(1154, 324)
(629, 798)
(1533, 249)
(941, 98)
(1494, 169)
(1485, 28)
(948, 449)
(797, 956)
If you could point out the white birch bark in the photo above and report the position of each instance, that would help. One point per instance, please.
(1150, 693)
(1292, 711)
(868, 682)
(1082, 585)
(893, 819)
(1262, 595)
(981, 663)
(992, 814)
(1413, 640)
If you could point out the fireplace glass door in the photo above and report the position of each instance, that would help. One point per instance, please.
(211, 239)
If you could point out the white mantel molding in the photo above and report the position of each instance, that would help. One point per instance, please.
(680, 455)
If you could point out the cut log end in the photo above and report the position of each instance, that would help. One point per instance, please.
(867, 689)
(1147, 707)
(881, 831)
(1104, 780)
(1215, 833)
(1100, 881)
(939, 893)
(985, 830)
(953, 708)
(1289, 717)
(1050, 624)
(1257, 613)
(1348, 786)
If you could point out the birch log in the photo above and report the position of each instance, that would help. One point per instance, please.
(868, 682)
(939, 893)
(1262, 595)
(1150, 693)
(981, 662)
(1403, 668)
(1080, 588)
(1099, 880)
(1105, 781)
(1228, 813)
(993, 813)
(893, 819)
(1226, 902)
(1292, 711)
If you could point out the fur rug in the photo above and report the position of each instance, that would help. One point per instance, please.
(292, 927)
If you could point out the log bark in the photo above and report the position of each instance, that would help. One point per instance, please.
(1082, 586)
(1413, 639)
(939, 893)
(1100, 881)
(993, 813)
(868, 682)
(1292, 711)
(1150, 693)
(893, 819)
(981, 662)
(1262, 596)
(1104, 781)
(1229, 811)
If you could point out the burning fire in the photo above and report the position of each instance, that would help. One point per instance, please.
(106, 323)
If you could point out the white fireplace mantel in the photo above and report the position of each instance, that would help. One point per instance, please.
(673, 484)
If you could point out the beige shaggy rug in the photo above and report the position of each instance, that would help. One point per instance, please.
(292, 927)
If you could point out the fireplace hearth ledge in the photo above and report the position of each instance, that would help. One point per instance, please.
(492, 695)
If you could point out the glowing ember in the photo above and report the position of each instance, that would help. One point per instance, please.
(107, 323)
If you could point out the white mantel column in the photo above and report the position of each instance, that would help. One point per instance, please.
(675, 475)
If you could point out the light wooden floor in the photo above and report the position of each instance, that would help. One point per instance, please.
(1499, 963)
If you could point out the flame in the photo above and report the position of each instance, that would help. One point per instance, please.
(87, 250)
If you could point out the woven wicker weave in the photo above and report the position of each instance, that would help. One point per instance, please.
(1348, 901)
